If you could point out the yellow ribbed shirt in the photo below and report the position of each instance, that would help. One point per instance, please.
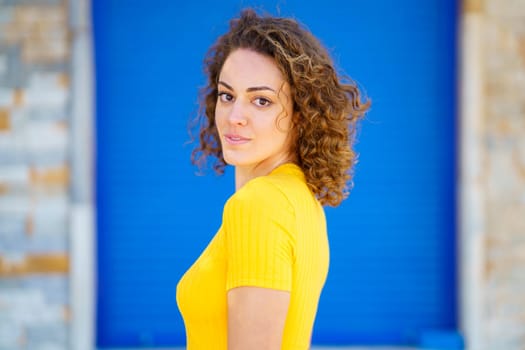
(273, 235)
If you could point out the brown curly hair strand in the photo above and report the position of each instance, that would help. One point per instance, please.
(326, 106)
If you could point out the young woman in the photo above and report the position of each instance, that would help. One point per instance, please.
(277, 111)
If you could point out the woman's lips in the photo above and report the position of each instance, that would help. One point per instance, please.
(233, 139)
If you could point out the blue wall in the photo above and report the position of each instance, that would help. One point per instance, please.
(392, 274)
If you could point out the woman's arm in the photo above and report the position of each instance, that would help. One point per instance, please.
(256, 318)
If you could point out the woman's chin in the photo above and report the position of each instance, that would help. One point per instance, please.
(232, 159)
(236, 161)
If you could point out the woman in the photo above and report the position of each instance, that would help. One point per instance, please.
(276, 110)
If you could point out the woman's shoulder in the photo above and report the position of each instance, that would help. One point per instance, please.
(261, 190)
(278, 188)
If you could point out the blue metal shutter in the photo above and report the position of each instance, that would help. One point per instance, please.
(392, 274)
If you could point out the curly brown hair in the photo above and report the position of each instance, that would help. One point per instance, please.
(326, 106)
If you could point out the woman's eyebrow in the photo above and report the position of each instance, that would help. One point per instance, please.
(225, 85)
(250, 89)
(258, 88)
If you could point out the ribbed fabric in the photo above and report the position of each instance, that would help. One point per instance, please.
(273, 235)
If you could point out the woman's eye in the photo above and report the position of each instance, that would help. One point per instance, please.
(262, 102)
(225, 97)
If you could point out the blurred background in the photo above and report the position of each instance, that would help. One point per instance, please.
(101, 211)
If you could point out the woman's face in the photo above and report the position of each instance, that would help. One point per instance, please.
(254, 111)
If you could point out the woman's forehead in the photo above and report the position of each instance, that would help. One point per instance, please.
(246, 68)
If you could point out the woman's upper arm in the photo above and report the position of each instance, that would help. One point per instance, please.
(256, 318)
(259, 226)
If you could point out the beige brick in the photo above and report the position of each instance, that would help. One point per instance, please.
(521, 48)
(4, 119)
(472, 6)
(57, 176)
(63, 81)
(18, 97)
(45, 50)
(28, 15)
(35, 264)
(42, 32)
(30, 224)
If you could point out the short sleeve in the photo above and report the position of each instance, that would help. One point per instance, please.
(259, 224)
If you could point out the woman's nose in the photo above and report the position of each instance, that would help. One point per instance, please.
(238, 114)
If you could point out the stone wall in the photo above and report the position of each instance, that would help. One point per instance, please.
(34, 174)
(35, 62)
(503, 165)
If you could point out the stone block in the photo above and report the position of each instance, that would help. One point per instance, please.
(49, 113)
(55, 288)
(15, 175)
(15, 205)
(12, 336)
(49, 215)
(6, 97)
(6, 15)
(46, 89)
(17, 236)
(49, 244)
(507, 185)
(46, 142)
(12, 149)
(47, 336)
(3, 66)
(12, 227)
(15, 73)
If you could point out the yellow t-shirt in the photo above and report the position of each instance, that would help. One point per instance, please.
(273, 235)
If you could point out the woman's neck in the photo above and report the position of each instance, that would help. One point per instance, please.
(243, 174)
